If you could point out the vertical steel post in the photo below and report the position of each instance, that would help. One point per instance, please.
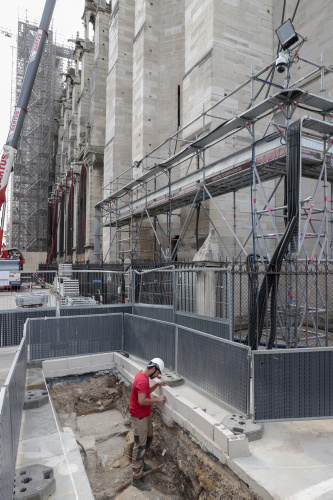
(57, 296)
(174, 294)
(230, 304)
(235, 225)
(133, 289)
(176, 348)
(322, 72)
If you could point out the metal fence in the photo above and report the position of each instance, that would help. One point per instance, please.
(286, 309)
(218, 327)
(15, 382)
(220, 367)
(85, 310)
(153, 287)
(72, 336)
(199, 298)
(163, 313)
(6, 447)
(11, 408)
(293, 384)
(204, 291)
(145, 337)
(27, 289)
(12, 323)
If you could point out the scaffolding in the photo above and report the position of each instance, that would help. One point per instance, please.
(34, 165)
(260, 155)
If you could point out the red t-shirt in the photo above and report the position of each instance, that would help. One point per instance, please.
(140, 386)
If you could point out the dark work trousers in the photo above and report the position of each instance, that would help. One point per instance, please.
(143, 436)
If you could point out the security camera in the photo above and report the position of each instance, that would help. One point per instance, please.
(282, 62)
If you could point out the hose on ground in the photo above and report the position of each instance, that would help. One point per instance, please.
(84, 452)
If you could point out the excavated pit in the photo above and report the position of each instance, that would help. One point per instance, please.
(95, 407)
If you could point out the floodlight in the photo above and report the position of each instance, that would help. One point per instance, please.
(287, 34)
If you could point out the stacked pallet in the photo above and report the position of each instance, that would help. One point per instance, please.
(65, 270)
(69, 288)
(80, 301)
(31, 299)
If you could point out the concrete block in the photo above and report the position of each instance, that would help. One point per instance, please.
(184, 407)
(34, 481)
(53, 365)
(101, 367)
(221, 437)
(116, 358)
(100, 359)
(79, 362)
(203, 422)
(128, 376)
(35, 399)
(238, 446)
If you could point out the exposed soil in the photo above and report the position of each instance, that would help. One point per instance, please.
(96, 408)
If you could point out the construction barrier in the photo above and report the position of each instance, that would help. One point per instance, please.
(74, 335)
(292, 384)
(11, 409)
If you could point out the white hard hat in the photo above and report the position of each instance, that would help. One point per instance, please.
(158, 363)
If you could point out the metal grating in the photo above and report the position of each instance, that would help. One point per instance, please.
(82, 311)
(218, 327)
(148, 338)
(15, 383)
(218, 366)
(12, 323)
(6, 452)
(316, 101)
(76, 335)
(318, 125)
(293, 384)
(162, 313)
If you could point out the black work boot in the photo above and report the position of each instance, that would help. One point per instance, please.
(140, 484)
(146, 468)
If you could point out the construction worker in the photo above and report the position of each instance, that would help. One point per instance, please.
(139, 408)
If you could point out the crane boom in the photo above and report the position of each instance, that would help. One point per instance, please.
(9, 150)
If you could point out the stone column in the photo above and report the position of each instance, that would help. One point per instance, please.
(209, 255)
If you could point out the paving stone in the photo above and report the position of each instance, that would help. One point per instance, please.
(34, 482)
(35, 399)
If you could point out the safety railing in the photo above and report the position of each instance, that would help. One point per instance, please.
(287, 384)
(11, 408)
(220, 367)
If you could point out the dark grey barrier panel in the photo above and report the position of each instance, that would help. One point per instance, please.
(7, 464)
(84, 310)
(75, 335)
(214, 326)
(148, 338)
(162, 313)
(15, 384)
(293, 384)
(218, 366)
(12, 323)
